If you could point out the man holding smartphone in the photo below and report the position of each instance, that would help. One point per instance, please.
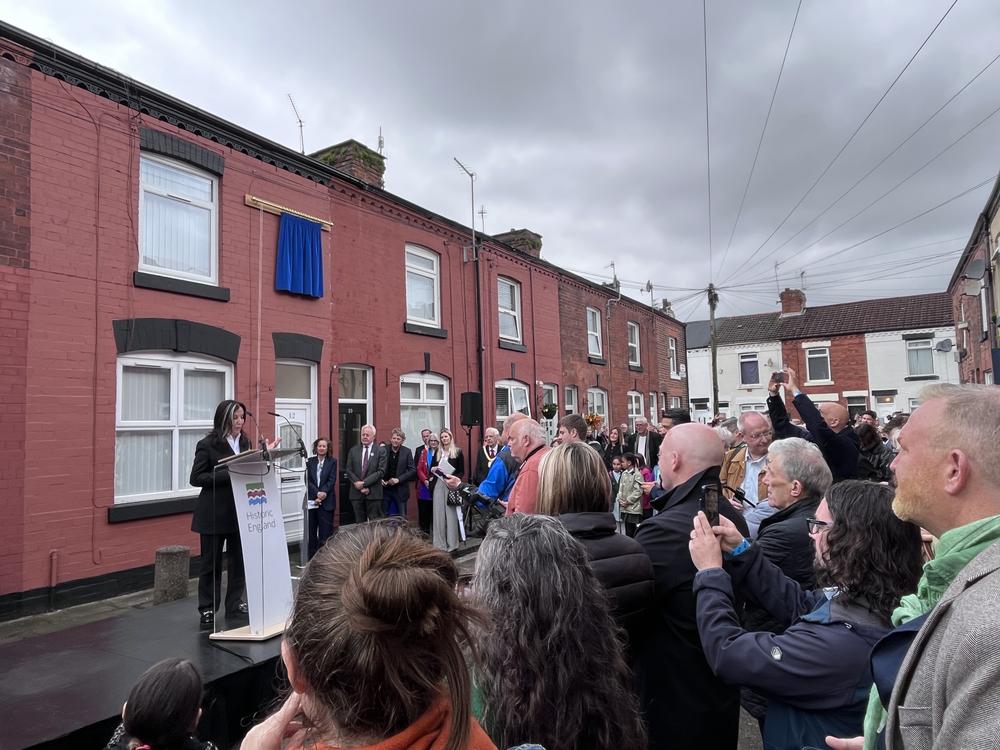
(828, 425)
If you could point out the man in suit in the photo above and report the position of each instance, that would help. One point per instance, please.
(645, 442)
(486, 454)
(365, 469)
(685, 704)
(939, 671)
(400, 471)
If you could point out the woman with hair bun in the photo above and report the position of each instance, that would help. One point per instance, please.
(375, 649)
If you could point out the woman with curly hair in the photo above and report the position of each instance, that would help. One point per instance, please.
(551, 667)
(816, 675)
(376, 649)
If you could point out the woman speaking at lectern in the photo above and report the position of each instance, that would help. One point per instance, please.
(215, 513)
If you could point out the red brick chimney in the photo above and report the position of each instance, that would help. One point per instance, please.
(522, 240)
(355, 159)
(793, 301)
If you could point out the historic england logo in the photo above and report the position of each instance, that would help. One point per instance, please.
(256, 494)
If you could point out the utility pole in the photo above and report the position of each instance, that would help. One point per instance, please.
(713, 300)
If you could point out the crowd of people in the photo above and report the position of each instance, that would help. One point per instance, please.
(774, 573)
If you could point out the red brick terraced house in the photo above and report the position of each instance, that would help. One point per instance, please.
(153, 262)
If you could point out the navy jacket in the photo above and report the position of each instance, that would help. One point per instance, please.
(840, 449)
(327, 482)
(816, 674)
(684, 703)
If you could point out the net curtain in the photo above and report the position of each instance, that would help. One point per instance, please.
(300, 257)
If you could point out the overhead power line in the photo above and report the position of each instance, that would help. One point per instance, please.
(760, 141)
(848, 142)
(888, 156)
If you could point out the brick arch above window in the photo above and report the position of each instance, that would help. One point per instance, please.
(175, 335)
(297, 346)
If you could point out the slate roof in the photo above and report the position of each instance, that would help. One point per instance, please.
(866, 316)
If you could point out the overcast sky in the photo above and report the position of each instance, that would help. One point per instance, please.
(586, 122)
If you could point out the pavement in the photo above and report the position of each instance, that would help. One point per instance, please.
(49, 622)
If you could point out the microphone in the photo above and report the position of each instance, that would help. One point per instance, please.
(298, 435)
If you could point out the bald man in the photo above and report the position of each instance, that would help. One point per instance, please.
(829, 426)
(685, 704)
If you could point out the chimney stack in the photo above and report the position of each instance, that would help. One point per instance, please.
(522, 240)
(667, 307)
(793, 302)
(355, 159)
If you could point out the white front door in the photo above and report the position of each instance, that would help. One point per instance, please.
(884, 407)
(291, 472)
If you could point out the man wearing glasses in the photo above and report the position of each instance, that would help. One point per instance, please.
(743, 469)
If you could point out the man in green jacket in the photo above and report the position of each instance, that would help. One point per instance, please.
(946, 688)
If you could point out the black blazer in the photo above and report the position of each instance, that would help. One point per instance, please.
(686, 705)
(654, 439)
(483, 464)
(376, 470)
(458, 462)
(327, 482)
(215, 511)
(406, 470)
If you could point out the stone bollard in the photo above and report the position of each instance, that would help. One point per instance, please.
(170, 577)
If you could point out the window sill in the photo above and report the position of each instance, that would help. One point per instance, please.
(675, 376)
(421, 330)
(512, 346)
(749, 386)
(143, 280)
(596, 360)
(125, 512)
(817, 382)
(911, 378)
(635, 368)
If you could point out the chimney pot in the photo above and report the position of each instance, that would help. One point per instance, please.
(793, 301)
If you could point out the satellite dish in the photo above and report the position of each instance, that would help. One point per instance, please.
(975, 270)
(971, 287)
(943, 346)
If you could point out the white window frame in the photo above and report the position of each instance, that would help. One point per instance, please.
(514, 313)
(634, 408)
(177, 365)
(914, 345)
(634, 353)
(675, 371)
(571, 399)
(749, 357)
(510, 386)
(594, 332)
(550, 394)
(812, 354)
(675, 402)
(984, 313)
(913, 404)
(423, 379)
(654, 414)
(434, 275)
(212, 206)
(597, 402)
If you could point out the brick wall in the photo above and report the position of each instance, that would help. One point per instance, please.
(848, 365)
(970, 338)
(15, 291)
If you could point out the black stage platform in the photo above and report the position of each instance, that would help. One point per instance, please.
(66, 689)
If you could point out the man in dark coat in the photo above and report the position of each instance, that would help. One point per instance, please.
(685, 704)
(365, 469)
(400, 472)
(645, 442)
(828, 426)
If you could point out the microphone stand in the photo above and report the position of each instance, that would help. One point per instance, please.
(264, 452)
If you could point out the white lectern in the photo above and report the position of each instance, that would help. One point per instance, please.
(257, 493)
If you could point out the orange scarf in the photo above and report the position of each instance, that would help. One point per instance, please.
(430, 732)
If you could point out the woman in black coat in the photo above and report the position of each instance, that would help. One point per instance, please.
(215, 512)
(573, 485)
(321, 479)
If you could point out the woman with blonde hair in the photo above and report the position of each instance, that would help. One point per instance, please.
(375, 649)
(574, 487)
(447, 535)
